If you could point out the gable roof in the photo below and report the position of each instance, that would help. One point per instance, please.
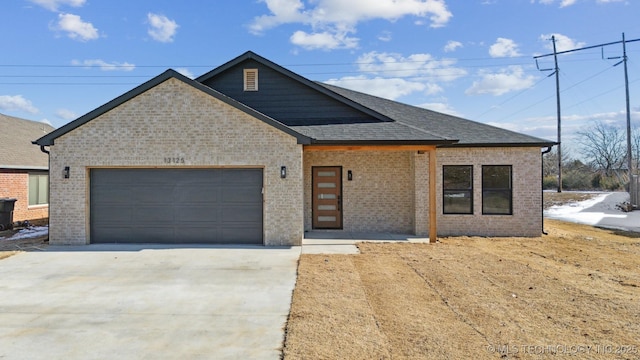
(395, 123)
(401, 123)
(16, 151)
(250, 55)
(49, 139)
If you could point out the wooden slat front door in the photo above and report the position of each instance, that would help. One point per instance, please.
(327, 197)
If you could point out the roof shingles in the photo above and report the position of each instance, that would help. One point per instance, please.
(16, 149)
(467, 132)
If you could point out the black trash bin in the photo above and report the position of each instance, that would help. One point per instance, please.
(6, 213)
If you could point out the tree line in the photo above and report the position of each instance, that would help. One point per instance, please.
(602, 164)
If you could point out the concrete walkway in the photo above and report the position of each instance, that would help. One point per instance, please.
(146, 302)
(343, 242)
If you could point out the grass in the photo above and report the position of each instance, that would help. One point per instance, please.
(573, 292)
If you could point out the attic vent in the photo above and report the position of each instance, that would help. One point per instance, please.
(250, 79)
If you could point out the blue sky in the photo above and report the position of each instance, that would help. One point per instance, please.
(472, 58)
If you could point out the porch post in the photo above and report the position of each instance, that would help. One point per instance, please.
(433, 229)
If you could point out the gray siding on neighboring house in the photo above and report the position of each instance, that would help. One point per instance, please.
(285, 99)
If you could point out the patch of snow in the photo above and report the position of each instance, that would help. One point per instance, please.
(31, 232)
(600, 211)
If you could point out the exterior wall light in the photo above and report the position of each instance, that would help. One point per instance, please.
(283, 172)
(66, 172)
(349, 175)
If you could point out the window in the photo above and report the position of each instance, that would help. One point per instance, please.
(496, 190)
(38, 189)
(457, 185)
(250, 79)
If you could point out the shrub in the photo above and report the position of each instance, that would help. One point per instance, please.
(549, 182)
(575, 180)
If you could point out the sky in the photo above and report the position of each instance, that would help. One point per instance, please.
(60, 59)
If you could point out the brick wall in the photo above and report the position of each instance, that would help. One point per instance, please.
(380, 196)
(527, 217)
(390, 191)
(15, 184)
(176, 120)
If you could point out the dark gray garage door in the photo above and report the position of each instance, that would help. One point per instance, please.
(176, 206)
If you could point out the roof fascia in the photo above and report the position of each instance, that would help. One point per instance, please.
(496, 145)
(438, 143)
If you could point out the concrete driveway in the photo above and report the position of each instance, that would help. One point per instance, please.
(146, 302)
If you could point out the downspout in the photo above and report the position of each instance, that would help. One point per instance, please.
(49, 187)
(542, 186)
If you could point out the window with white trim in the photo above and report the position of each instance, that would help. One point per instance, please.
(250, 79)
(38, 189)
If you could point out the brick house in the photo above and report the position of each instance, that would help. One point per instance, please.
(24, 168)
(251, 152)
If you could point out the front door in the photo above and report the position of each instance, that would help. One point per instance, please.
(327, 197)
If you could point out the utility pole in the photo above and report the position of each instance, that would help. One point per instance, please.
(557, 72)
(626, 79)
(626, 86)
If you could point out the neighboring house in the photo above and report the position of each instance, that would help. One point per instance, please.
(254, 153)
(24, 169)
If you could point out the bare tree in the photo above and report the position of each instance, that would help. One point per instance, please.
(604, 147)
(550, 160)
(635, 148)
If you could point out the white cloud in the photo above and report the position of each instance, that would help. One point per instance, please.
(506, 80)
(323, 40)
(452, 46)
(340, 17)
(186, 72)
(76, 28)
(388, 88)
(563, 42)
(162, 28)
(504, 48)
(103, 65)
(415, 65)
(66, 114)
(17, 103)
(46, 121)
(440, 107)
(385, 36)
(53, 5)
(563, 3)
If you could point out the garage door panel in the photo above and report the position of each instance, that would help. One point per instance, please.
(242, 214)
(241, 194)
(113, 194)
(157, 214)
(113, 214)
(116, 234)
(196, 213)
(150, 194)
(241, 235)
(176, 205)
(196, 193)
(242, 176)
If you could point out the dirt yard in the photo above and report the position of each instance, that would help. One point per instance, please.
(572, 294)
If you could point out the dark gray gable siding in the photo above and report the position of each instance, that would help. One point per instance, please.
(285, 99)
